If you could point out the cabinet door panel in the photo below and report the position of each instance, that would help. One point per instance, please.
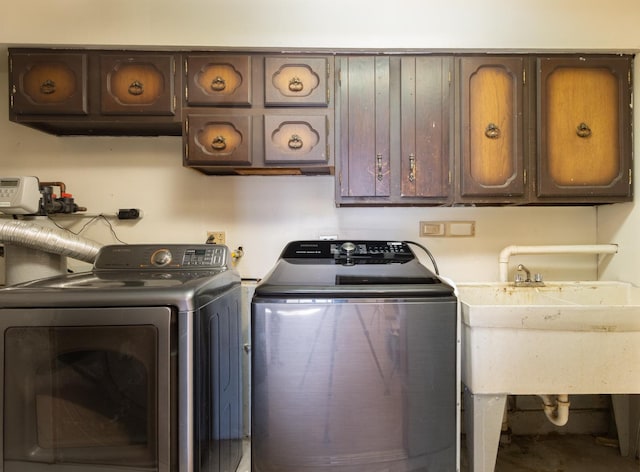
(425, 106)
(137, 85)
(49, 84)
(296, 81)
(218, 140)
(493, 162)
(364, 115)
(218, 80)
(583, 106)
(295, 139)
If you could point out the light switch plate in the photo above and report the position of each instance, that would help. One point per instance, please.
(455, 229)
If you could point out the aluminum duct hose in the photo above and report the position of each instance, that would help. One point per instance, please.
(48, 239)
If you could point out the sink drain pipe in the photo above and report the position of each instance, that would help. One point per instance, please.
(556, 407)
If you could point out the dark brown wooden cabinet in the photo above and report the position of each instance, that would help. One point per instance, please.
(46, 84)
(218, 80)
(92, 92)
(425, 106)
(394, 122)
(364, 173)
(258, 114)
(214, 140)
(584, 135)
(403, 128)
(493, 164)
(137, 84)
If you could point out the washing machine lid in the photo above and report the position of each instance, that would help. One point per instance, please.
(351, 269)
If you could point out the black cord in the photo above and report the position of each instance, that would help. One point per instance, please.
(84, 226)
(433, 261)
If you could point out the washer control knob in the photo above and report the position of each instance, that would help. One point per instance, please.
(348, 248)
(161, 257)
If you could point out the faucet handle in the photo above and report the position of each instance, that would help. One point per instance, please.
(518, 278)
(537, 277)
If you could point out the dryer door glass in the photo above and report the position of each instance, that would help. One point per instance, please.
(81, 395)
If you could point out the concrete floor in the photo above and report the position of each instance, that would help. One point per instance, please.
(548, 453)
(560, 453)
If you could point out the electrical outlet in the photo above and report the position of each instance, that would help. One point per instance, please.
(216, 237)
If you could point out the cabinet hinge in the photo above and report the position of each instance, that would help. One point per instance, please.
(524, 176)
(328, 87)
(327, 147)
(450, 178)
(524, 77)
(630, 177)
(186, 93)
(186, 67)
(175, 102)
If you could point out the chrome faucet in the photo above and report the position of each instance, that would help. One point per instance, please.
(528, 282)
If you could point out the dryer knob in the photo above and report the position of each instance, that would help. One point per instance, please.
(348, 248)
(161, 257)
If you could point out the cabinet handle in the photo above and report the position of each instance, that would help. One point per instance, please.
(492, 131)
(219, 143)
(379, 166)
(583, 130)
(218, 84)
(296, 85)
(412, 167)
(136, 88)
(48, 87)
(295, 142)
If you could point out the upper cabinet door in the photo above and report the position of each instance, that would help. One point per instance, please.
(217, 140)
(364, 127)
(492, 160)
(584, 107)
(48, 83)
(219, 80)
(296, 139)
(296, 81)
(137, 84)
(424, 119)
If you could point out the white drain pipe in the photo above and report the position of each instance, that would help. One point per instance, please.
(556, 407)
(509, 251)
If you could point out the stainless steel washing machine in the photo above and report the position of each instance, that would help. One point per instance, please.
(354, 362)
(132, 366)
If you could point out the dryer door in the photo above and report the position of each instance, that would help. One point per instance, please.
(86, 388)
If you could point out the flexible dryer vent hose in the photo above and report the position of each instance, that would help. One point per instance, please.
(48, 239)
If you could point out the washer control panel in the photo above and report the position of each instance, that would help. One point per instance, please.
(165, 257)
(371, 249)
(360, 251)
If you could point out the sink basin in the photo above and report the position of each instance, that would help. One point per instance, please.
(581, 306)
(565, 337)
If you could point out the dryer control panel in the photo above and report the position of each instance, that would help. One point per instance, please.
(164, 257)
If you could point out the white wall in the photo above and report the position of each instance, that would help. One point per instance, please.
(263, 213)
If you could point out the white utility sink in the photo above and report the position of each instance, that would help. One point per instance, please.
(564, 337)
